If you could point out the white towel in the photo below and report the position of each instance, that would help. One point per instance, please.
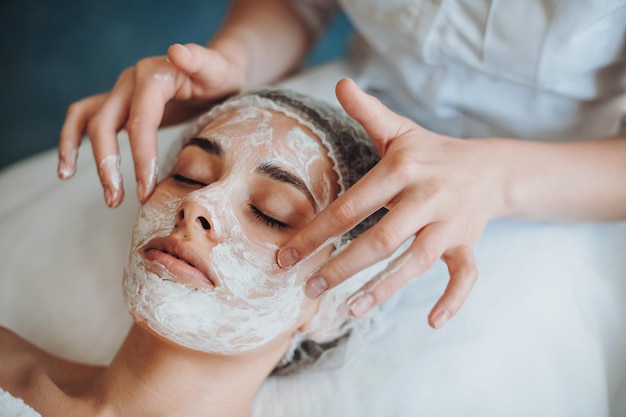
(11, 406)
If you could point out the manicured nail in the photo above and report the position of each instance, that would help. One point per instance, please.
(141, 191)
(187, 51)
(361, 304)
(111, 178)
(288, 257)
(153, 178)
(63, 171)
(315, 286)
(67, 170)
(440, 318)
(108, 196)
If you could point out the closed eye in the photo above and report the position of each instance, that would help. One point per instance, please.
(271, 222)
(188, 181)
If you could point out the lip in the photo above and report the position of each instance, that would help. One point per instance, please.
(181, 260)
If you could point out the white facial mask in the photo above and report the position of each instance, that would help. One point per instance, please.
(255, 301)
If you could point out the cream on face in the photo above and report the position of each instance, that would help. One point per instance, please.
(242, 206)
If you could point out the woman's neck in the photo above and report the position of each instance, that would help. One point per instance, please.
(150, 376)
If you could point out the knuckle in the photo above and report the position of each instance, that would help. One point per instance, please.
(427, 254)
(127, 73)
(307, 243)
(335, 272)
(133, 125)
(94, 128)
(386, 240)
(384, 290)
(402, 165)
(143, 65)
(470, 274)
(343, 214)
(466, 269)
(75, 109)
(437, 187)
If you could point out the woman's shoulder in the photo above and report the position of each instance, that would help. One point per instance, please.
(36, 376)
(21, 362)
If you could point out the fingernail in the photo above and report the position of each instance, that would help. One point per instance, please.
(361, 304)
(111, 178)
(141, 191)
(440, 318)
(108, 196)
(288, 257)
(187, 51)
(315, 286)
(152, 180)
(63, 171)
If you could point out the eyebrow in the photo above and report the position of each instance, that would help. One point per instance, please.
(279, 174)
(206, 144)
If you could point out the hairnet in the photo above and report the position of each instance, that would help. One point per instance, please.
(332, 333)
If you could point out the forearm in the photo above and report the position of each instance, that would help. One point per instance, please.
(264, 37)
(576, 181)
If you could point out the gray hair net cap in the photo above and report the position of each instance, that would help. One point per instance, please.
(333, 335)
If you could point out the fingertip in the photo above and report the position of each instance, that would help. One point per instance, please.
(287, 257)
(65, 171)
(342, 83)
(147, 185)
(179, 49)
(345, 90)
(111, 179)
(438, 319)
(68, 155)
(179, 55)
(189, 58)
(360, 303)
(141, 191)
(315, 286)
(113, 197)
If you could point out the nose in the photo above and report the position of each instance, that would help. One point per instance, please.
(193, 218)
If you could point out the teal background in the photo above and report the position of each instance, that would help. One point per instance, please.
(56, 52)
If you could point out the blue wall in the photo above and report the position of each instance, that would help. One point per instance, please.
(56, 52)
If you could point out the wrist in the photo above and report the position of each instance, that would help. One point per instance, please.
(528, 183)
(505, 189)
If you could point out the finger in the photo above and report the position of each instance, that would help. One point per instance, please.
(341, 215)
(463, 275)
(74, 126)
(372, 246)
(102, 130)
(379, 122)
(153, 89)
(421, 255)
(187, 58)
(211, 74)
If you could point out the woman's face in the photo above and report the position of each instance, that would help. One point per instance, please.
(202, 270)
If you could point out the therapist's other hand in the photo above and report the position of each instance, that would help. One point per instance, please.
(158, 91)
(440, 189)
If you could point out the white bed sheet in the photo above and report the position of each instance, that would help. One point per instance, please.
(542, 334)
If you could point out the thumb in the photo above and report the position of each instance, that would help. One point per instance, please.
(189, 58)
(379, 122)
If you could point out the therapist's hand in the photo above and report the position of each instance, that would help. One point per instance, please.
(158, 91)
(440, 189)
